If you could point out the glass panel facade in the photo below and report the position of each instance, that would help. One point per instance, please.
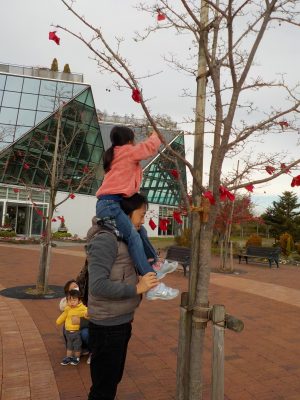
(159, 183)
(29, 159)
(24, 102)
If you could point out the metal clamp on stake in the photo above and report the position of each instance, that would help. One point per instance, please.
(201, 315)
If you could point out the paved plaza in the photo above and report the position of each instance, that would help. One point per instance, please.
(261, 363)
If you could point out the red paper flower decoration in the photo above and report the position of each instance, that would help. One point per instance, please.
(296, 181)
(225, 194)
(270, 170)
(283, 124)
(26, 166)
(136, 95)
(249, 188)
(208, 195)
(38, 211)
(53, 219)
(152, 224)
(72, 196)
(54, 37)
(177, 217)
(175, 173)
(85, 169)
(283, 166)
(16, 190)
(161, 16)
(163, 224)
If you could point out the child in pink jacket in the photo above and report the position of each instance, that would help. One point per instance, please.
(123, 178)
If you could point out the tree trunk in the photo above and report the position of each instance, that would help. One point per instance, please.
(45, 256)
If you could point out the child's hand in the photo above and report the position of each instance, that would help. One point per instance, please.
(147, 282)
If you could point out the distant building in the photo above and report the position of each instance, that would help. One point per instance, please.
(28, 103)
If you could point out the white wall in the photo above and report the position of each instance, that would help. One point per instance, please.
(78, 213)
(153, 212)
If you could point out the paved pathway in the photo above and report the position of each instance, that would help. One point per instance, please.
(260, 363)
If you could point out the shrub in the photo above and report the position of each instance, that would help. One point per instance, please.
(7, 233)
(286, 243)
(185, 238)
(254, 240)
(61, 235)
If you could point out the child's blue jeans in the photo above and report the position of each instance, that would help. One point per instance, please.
(139, 246)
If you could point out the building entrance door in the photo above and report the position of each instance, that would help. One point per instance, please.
(18, 217)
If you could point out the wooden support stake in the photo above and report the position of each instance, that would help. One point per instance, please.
(218, 319)
(183, 351)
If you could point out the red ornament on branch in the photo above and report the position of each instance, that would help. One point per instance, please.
(54, 37)
(249, 188)
(26, 166)
(152, 224)
(163, 224)
(177, 217)
(225, 194)
(208, 195)
(16, 190)
(160, 16)
(72, 196)
(270, 170)
(53, 219)
(85, 169)
(136, 95)
(283, 124)
(283, 166)
(175, 173)
(296, 181)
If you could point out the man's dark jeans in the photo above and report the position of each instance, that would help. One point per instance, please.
(108, 345)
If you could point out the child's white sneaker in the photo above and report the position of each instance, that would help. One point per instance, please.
(166, 268)
(162, 292)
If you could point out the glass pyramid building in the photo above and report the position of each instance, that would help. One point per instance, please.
(28, 126)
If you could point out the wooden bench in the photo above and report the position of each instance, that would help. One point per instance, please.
(180, 254)
(271, 253)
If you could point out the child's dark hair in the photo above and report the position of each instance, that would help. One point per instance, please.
(129, 204)
(119, 136)
(74, 294)
(67, 285)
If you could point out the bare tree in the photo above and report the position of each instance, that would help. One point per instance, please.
(225, 37)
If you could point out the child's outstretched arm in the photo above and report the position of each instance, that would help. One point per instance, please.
(61, 319)
(147, 148)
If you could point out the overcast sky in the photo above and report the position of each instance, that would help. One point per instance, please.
(25, 25)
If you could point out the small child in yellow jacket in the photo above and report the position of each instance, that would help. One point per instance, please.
(74, 308)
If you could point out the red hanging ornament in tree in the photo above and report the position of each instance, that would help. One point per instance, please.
(152, 224)
(160, 16)
(72, 196)
(175, 173)
(26, 166)
(163, 224)
(16, 190)
(283, 166)
(85, 169)
(53, 219)
(136, 95)
(296, 181)
(225, 194)
(208, 195)
(270, 170)
(283, 124)
(177, 217)
(249, 188)
(54, 37)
